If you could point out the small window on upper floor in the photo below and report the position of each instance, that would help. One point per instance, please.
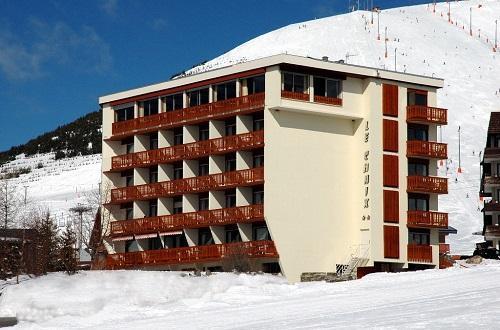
(177, 205)
(230, 197)
(178, 172)
(124, 114)
(153, 141)
(417, 97)
(153, 208)
(129, 144)
(417, 132)
(230, 162)
(174, 102)
(258, 157)
(418, 168)
(256, 85)
(150, 107)
(203, 201)
(230, 126)
(295, 82)
(128, 209)
(258, 121)
(198, 97)
(417, 202)
(225, 91)
(203, 166)
(178, 136)
(129, 177)
(326, 87)
(203, 133)
(419, 236)
(153, 174)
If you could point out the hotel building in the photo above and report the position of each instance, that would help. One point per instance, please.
(299, 164)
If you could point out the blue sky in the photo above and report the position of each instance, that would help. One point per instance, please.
(58, 56)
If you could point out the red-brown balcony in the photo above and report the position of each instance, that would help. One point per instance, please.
(295, 95)
(426, 149)
(419, 253)
(427, 219)
(193, 254)
(189, 116)
(426, 115)
(491, 206)
(193, 150)
(427, 184)
(444, 248)
(174, 222)
(492, 231)
(196, 184)
(327, 100)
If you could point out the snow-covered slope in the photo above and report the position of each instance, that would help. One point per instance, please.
(455, 298)
(425, 43)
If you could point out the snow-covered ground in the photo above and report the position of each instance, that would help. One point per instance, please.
(58, 185)
(462, 298)
(425, 43)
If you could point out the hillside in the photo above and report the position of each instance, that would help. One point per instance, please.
(80, 137)
(424, 43)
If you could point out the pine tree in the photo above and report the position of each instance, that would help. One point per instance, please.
(47, 244)
(67, 251)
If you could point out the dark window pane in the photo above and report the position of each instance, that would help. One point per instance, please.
(203, 202)
(261, 233)
(231, 90)
(150, 107)
(230, 196)
(178, 136)
(230, 162)
(124, 114)
(333, 88)
(299, 83)
(178, 171)
(177, 203)
(203, 132)
(258, 158)
(260, 84)
(319, 86)
(221, 92)
(230, 126)
(194, 98)
(204, 96)
(203, 167)
(205, 236)
(258, 121)
(258, 195)
(153, 208)
(288, 82)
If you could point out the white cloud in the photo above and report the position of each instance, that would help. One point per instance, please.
(109, 6)
(52, 44)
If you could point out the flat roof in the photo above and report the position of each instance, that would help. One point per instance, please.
(348, 69)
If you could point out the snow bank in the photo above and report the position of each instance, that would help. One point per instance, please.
(457, 298)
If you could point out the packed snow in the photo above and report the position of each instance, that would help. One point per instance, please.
(439, 299)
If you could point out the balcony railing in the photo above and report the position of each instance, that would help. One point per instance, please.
(427, 115)
(189, 151)
(492, 231)
(192, 115)
(419, 253)
(427, 149)
(295, 95)
(188, 255)
(165, 223)
(327, 100)
(444, 248)
(427, 219)
(190, 185)
(491, 206)
(427, 184)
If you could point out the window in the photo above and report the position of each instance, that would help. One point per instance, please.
(153, 208)
(175, 241)
(203, 201)
(327, 87)
(203, 134)
(153, 174)
(260, 232)
(418, 202)
(129, 210)
(232, 234)
(124, 114)
(154, 243)
(203, 166)
(177, 205)
(293, 82)
(230, 126)
(131, 246)
(258, 195)
(415, 168)
(256, 85)
(198, 97)
(178, 171)
(417, 132)
(150, 107)
(258, 158)
(419, 236)
(230, 196)
(258, 121)
(129, 177)
(417, 97)
(225, 91)
(230, 164)
(174, 102)
(153, 141)
(205, 236)
(129, 145)
(178, 136)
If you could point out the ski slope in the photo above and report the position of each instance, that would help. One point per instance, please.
(423, 42)
(455, 298)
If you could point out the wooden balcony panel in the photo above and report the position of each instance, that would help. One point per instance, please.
(426, 115)
(444, 248)
(188, 255)
(240, 214)
(492, 206)
(492, 231)
(419, 253)
(427, 219)
(427, 184)
(295, 95)
(189, 151)
(427, 149)
(191, 115)
(217, 181)
(328, 100)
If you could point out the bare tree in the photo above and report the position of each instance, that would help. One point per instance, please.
(10, 204)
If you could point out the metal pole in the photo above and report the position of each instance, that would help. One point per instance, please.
(459, 155)
(470, 21)
(496, 33)
(449, 12)
(378, 24)
(395, 59)
(385, 40)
